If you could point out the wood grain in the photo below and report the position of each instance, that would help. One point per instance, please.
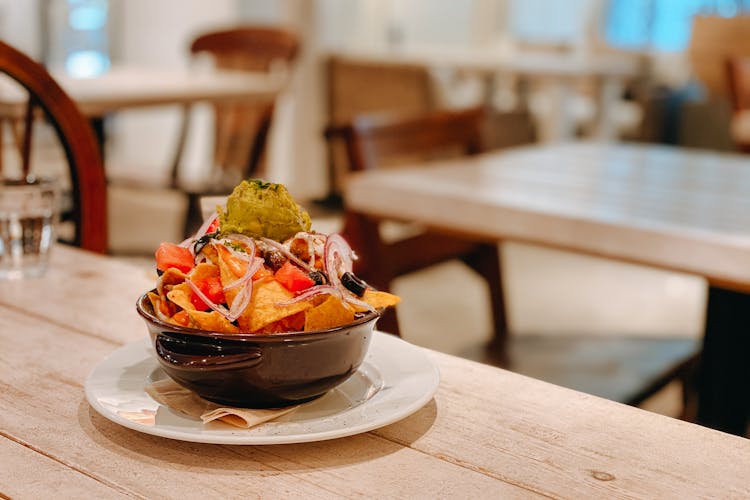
(488, 433)
(27, 473)
(665, 207)
(43, 405)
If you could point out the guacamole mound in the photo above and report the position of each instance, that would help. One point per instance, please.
(263, 209)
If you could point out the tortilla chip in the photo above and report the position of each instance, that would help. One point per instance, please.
(163, 309)
(233, 267)
(209, 251)
(154, 299)
(332, 312)
(180, 295)
(264, 309)
(378, 299)
(172, 276)
(211, 321)
(230, 270)
(293, 323)
(203, 271)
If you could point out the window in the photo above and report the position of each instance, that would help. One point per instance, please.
(78, 37)
(661, 25)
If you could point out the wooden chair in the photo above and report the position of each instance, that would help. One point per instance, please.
(88, 185)
(738, 80)
(713, 39)
(403, 89)
(241, 130)
(646, 365)
(374, 142)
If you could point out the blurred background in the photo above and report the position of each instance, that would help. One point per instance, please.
(665, 85)
(86, 37)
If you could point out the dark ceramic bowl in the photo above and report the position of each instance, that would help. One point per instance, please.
(258, 371)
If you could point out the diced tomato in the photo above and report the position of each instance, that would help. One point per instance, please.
(171, 255)
(293, 278)
(212, 289)
(213, 227)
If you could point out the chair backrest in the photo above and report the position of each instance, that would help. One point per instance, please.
(89, 202)
(401, 88)
(738, 80)
(242, 129)
(386, 141)
(712, 41)
(374, 141)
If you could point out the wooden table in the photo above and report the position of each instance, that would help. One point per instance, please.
(130, 86)
(683, 210)
(488, 433)
(127, 87)
(559, 72)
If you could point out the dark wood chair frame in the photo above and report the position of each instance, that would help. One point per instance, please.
(371, 139)
(89, 196)
(738, 79)
(247, 48)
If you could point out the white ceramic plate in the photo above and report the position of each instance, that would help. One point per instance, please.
(395, 380)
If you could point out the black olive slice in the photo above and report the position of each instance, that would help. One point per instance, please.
(318, 277)
(203, 241)
(353, 284)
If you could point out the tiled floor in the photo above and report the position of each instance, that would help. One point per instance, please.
(550, 293)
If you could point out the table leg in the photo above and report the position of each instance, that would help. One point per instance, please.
(724, 376)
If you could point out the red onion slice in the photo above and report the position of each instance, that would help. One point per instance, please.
(252, 268)
(357, 302)
(312, 292)
(188, 242)
(216, 307)
(242, 239)
(159, 314)
(206, 224)
(338, 257)
(160, 285)
(241, 301)
(283, 249)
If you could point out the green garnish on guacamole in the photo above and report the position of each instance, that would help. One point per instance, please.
(263, 209)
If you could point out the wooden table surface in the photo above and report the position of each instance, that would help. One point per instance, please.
(488, 433)
(129, 87)
(679, 209)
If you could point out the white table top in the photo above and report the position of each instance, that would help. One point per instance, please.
(126, 87)
(679, 209)
(488, 433)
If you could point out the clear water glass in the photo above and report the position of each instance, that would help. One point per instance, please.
(29, 212)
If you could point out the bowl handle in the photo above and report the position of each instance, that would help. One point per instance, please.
(165, 345)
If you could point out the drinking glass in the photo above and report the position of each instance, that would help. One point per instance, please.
(29, 210)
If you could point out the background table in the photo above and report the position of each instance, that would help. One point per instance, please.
(559, 72)
(129, 86)
(488, 433)
(678, 209)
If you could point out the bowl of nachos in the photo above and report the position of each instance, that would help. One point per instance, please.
(256, 309)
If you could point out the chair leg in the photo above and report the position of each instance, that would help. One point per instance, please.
(486, 262)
